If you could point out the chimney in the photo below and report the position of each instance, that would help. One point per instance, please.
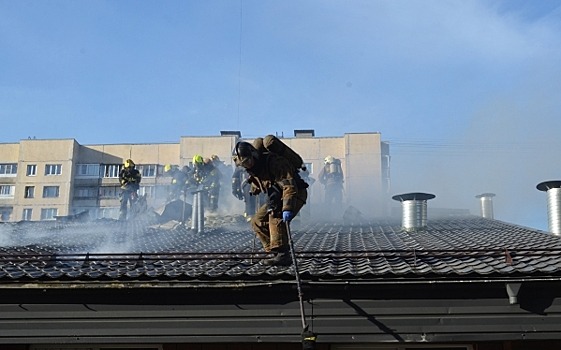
(486, 201)
(414, 210)
(553, 189)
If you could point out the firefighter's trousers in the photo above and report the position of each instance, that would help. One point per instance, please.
(269, 227)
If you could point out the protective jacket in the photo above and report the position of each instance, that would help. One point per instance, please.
(208, 176)
(129, 178)
(178, 182)
(331, 174)
(275, 176)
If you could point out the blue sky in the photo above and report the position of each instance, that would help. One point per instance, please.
(467, 93)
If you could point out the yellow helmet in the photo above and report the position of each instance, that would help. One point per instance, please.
(129, 163)
(329, 160)
(167, 168)
(197, 159)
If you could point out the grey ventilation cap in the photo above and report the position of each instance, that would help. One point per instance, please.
(486, 204)
(414, 209)
(553, 189)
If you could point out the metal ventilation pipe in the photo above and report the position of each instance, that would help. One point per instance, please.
(486, 201)
(414, 209)
(553, 189)
(198, 213)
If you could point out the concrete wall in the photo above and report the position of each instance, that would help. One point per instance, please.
(41, 154)
(222, 146)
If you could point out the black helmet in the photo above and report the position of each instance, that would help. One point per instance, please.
(243, 151)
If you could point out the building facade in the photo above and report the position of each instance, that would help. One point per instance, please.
(41, 179)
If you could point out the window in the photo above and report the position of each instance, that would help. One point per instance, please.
(7, 191)
(149, 191)
(31, 170)
(53, 169)
(87, 170)
(5, 213)
(50, 191)
(85, 192)
(8, 169)
(48, 213)
(29, 192)
(111, 170)
(27, 212)
(148, 170)
(109, 192)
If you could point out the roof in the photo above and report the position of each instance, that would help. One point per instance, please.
(226, 254)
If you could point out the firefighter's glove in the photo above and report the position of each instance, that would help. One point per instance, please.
(308, 340)
(287, 215)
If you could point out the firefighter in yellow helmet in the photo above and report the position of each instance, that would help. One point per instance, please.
(205, 174)
(179, 179)
(197, 160)
(129, 178)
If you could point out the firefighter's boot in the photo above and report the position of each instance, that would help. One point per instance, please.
(281, 258)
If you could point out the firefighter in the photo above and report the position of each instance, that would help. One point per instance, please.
(220, 165)
(129, 178)
(178, 180)
(331, 177)
(225, 173)
(206, 175)
(241, 189)
(286, 194)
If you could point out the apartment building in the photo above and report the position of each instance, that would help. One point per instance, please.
(41, 179)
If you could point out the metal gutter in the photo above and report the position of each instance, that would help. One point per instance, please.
(238, 285)
(181, 256)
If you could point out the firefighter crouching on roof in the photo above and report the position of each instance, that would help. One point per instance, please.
(206, 175)
(286, 195)
(129, 178)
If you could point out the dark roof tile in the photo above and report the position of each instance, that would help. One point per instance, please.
(448, 247)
